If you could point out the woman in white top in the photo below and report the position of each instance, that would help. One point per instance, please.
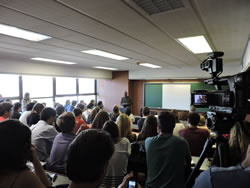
(117, 167)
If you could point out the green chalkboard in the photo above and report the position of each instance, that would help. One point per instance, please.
(153, 95)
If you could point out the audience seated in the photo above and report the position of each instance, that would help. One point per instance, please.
(183, 117)
(16, 150)
(34, 117)
(115, 113)
(195, 137)
(58, 155)
(67, 106)
(124, 126)
(88, 158)
(5, 110)
(130, 115)
(73, 104)
(26, 100)
(149, 128)
(43, 133)
(145, 112)
(100, 104)
(83, 108)
(178, 125)
(26, 113)
(17, 108)
(100, 119)
(59, 110)
(166, 155)
(92, 115)
(202, 123)
(80, 123)
(117, 166)
(88, 111)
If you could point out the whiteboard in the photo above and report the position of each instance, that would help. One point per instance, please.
(176, 96)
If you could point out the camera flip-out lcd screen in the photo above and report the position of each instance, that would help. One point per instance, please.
(200, 99)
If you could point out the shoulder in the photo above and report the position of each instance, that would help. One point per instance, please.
(203, 180)
(28, 179)
(124, 140)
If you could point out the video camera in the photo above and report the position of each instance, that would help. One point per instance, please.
(230, 101)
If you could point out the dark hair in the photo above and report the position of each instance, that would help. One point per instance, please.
(128, 111)
(29, 106)
(100, 118)
(90, 106)
(38, 107)
(194, 118)
(116, 109)
(66, 122)
(146, 111)
(81, 106)
(60, 109)
(73, 102)
(17, 105)
(166, 122)
(15, 143)
(5, 107)
(77, 111)
(112, 129)
(176, 115)
(47, 113)
(149, 128)
(93, 146)
(99, 103)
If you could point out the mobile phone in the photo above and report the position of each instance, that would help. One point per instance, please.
(132, 183)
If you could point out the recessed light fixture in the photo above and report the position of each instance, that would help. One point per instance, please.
(197, 44)
(105, 54)
(106, 68)
(21, 33)
(53, 60)
(150, 65)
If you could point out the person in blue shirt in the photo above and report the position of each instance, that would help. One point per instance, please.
(67, 106)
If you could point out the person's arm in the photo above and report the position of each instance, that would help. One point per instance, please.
(39, 171)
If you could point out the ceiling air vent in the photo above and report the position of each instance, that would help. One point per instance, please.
(158, 6)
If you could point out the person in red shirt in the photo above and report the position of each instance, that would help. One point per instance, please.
(80, 123)
(5, 110)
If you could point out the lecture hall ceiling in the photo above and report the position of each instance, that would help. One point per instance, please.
(124, 28)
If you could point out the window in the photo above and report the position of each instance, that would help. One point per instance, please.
(86, 85)
(48, 101)
(62, 100)
(9, 85)
(65, 86)
(86, 98)
(38, 86)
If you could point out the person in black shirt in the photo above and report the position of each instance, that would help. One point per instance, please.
(16, 111)
(126, 101)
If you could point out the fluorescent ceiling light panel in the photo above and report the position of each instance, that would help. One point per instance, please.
(106, 68)
(105, 54)
(197, 44)
(150, 65)
(53, 61)
(20, 33)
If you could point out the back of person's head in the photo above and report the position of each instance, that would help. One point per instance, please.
(124, 125)
(59, 109)
(202, 121)
(149, 128)
(90, 106)
(146, 111)
(192, 109)
(81, 106)
(17, 106)
(176, 115)
(74, 102)
(66, 122)
(5, 107)
(29, 106)
(93, 114)
(67, 102)
(15, 143)
(77, 112)
(47, 113)
(100, 118)
(26, 96)
(166, 122)
(128, 111)
(183, 116)
(37, 108)
(112, 129)
(95, 147)
(116, 109)
(100, 104)
(194, 118)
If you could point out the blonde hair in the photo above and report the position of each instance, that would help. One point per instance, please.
(124, 125)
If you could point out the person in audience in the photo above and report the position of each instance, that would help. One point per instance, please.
(130, 115)
(43, 133)
(93, 102)
(202, 123)
(183, 118)
(149, 128)
(100, 105)
(1, 98)
(124, 126)
(16, 150)
(115, 113)
(5, 110)
(58, 155)
(83, 108)
(195, 137)
(100, 119)
(83, 102)
(73, 104)
(88, 158)
(67, 106)
(92, 115)
(145, 112)
(88, 111)
(17, 108)
(26, 100)
(59, 110)
(192, 109)
(178, 125)
(166, 155)
(126, 101)
(80, 123)
(117, 166)
(26, 113)
(34, 117)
